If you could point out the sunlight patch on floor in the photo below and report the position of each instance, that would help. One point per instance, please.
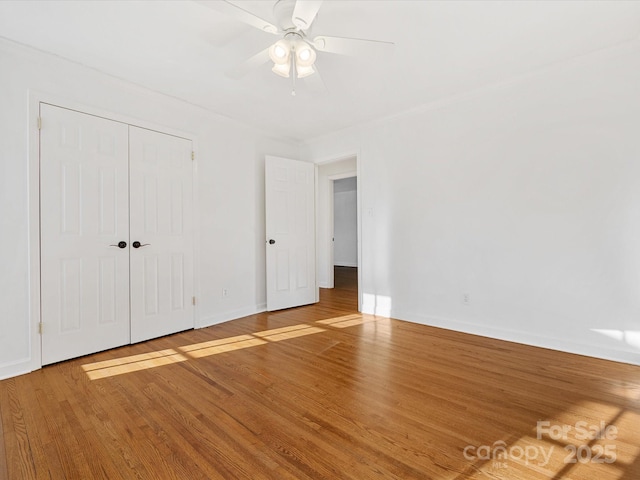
(143, 361)
(293, 334)
(628, 432)
(131, 359)
(277, 331)
(97, 370)
(587, 440)
(197, 351)
(348, 320)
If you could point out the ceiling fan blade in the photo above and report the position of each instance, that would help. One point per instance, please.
(250, 64)
(351, 46)
(314, 82)
(305, 12)
(240, 14)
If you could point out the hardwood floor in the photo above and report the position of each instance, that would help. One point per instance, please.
(322, 392)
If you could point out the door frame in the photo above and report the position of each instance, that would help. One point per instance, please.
(331, 221)
(34, 362)
(327, 209)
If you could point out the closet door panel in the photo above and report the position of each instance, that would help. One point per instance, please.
(84, 214)
(161, 219)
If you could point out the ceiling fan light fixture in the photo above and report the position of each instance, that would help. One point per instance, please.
(303, 71)
(279, 52)
(305, 55)
(282, 69)
(294, 55)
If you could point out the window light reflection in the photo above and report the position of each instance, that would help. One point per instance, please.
(134, 363)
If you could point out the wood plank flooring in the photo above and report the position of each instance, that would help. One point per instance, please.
(322, 392)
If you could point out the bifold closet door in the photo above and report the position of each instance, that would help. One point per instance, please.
(161, 219)
(84, 227)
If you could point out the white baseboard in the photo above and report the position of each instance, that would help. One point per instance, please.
(345, 264)
(525, 338)
(13, 369)
(232, 315)
(23, 366)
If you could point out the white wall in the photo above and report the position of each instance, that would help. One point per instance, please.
(345, 222)
(525, 196)
(230, 178)
(324, 226)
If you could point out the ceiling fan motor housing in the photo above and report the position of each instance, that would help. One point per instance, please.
(283, 13)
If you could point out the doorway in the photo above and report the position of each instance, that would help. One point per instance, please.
(338, 224)
(345, 234)
(345, 223)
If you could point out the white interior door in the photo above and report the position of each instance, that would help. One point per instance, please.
(161, 176)
(84, 207)
(290, 229)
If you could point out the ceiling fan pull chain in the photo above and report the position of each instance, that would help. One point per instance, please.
(294, 74)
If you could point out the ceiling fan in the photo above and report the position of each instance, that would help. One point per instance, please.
(294, 54)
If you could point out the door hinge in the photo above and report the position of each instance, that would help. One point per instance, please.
(193, 155)
(193, 300)
(40, 328)
(39, 123)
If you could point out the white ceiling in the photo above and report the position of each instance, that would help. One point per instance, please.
(443, 48)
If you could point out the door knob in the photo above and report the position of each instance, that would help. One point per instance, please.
(137, 244)
(120, 245)
(271, 241)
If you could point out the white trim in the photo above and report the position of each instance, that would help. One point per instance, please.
(316, 229)
(69, 104)
(561, 345)
(359, 227)
(233, 315)
(33, 199)
(342, 176)
(35, 98)
(335, 158)
(330, 240)
(338, 176)
(197, 292)
(15, 368)
(345, 264)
